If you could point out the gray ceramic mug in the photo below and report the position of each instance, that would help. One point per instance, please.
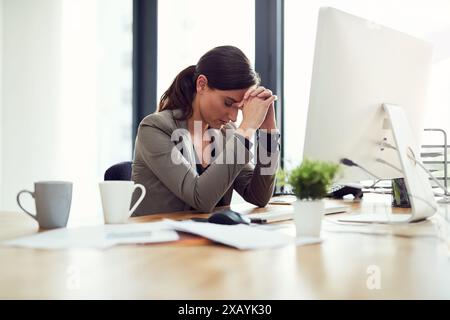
(53, 200)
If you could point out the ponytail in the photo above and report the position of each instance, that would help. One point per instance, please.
(181, 93)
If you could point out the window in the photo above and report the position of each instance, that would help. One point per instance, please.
(96, 101)
(189, 28)
(426, 20)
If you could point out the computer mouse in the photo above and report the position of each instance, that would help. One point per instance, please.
(228, 217)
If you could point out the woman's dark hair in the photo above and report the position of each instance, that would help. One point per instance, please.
(225, 67)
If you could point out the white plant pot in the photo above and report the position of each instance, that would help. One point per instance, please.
(308, 216)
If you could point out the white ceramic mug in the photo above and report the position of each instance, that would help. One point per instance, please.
(116, 199)
(53, 200)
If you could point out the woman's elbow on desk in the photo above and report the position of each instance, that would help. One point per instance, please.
(261, 203)
(205, 207)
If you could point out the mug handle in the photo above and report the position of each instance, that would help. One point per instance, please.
(18, 202)
(138, 202)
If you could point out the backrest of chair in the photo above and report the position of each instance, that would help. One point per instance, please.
(119, 171)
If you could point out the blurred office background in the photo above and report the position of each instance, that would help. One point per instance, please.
(66, 85)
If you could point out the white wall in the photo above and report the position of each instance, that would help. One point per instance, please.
(67, 97)
(31, 95)
(1, 101)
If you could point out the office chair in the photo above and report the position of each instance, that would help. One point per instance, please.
(119, 171)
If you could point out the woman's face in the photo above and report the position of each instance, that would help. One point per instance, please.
(218, 107)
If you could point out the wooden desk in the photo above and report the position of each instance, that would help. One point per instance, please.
(195, 268)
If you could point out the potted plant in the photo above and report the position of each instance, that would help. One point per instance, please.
(310, 182)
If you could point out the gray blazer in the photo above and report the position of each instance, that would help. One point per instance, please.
(165, 163)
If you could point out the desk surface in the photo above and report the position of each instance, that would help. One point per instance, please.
(195, 268)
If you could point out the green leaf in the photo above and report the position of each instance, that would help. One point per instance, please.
(311, 179)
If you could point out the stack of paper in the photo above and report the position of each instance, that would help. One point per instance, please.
(239, 236)
(104, 236)
(100, 237)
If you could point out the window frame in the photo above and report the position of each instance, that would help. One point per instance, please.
(269, 57)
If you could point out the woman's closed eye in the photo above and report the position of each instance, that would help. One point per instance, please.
(228, 103)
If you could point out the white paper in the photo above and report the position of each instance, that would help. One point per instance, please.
(239, 236)
(288, 199)
(100, 237)
(303, 241)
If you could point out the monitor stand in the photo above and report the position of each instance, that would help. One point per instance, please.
(423, 203)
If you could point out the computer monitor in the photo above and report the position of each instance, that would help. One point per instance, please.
(365, 79)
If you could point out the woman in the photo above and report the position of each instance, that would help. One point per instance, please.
(189, 154)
